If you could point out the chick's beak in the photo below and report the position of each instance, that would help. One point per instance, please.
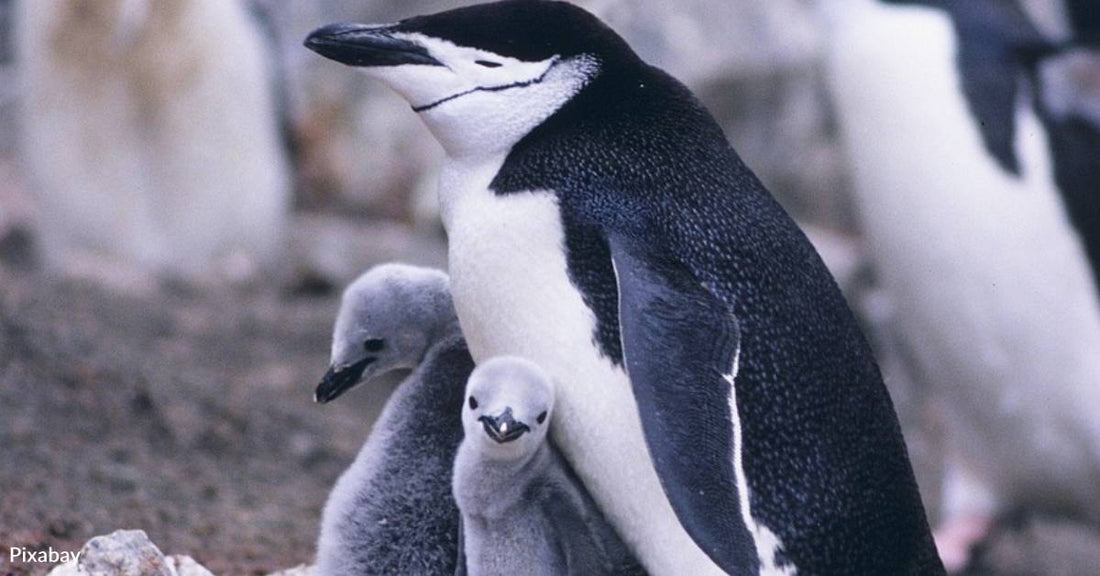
(367, 46)
(503, 428)
(340, 379)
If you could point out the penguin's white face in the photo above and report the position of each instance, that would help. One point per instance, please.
(476, 102)
(509, 402)
(479, 102)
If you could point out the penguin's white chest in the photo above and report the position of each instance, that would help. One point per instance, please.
(512, 291)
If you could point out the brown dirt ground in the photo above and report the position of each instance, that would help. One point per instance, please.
(186, 414)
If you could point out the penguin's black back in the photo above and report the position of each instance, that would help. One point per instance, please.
(1075, 142)
(636, 153)
(1075, 148)
(403, 519)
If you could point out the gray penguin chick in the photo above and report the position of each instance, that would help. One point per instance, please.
(524, 511)
(392, 511)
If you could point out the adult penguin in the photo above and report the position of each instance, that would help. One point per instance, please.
(716, 396)
(150, 133)
(975, 153)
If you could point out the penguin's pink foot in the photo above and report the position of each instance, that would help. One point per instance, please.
(956, 537)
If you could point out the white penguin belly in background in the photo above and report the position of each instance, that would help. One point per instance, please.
(992, 287)
(596, 425)
(148, 146)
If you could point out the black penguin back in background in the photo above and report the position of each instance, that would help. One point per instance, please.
(1075, 140)
(1084, 16)
(635, 154)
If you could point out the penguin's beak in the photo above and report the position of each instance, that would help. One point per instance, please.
(503, 428)
(367, 46)
(340, 379)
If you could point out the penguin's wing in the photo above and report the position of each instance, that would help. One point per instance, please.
(589, 542)
(572, 530)
(997, 42)
(680, 349)
(1069, 90)
(989, 81)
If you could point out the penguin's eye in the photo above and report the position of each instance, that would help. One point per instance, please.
(542, 417)
(374, 345)
(473, 403)
(487, 63)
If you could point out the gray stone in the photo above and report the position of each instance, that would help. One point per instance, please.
(186, 566)
(121, 553)
(302, 570)
(129, 553)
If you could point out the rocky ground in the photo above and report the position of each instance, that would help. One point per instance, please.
(185, 413)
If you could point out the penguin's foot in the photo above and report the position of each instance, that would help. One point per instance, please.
(956, 537)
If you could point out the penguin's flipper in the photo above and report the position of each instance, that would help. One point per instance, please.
(989, 81)
(573, 535)
(680, 345)
(997, 43)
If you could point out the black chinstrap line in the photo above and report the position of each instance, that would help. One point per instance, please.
(521, 84)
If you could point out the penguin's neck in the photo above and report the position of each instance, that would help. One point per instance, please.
(463, 179)
(492, 488)
(444, 337)
(447, 348)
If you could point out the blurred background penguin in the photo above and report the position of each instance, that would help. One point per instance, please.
(974, 142)
(151, 135)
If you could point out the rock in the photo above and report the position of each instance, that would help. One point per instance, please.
(302, 570)
(128, 553)
(186, 566)
(66, 569)
(121, 553)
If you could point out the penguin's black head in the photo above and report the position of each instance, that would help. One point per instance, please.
(481, 77)
(527, 30)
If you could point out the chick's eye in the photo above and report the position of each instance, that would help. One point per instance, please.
(542, 417)
(374, 345)
(487, 63)
(473, 403)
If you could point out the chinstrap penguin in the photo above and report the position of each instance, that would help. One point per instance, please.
(714, 393)
(392, 511)
(523, 509)
(151, 137)
(976, 171)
